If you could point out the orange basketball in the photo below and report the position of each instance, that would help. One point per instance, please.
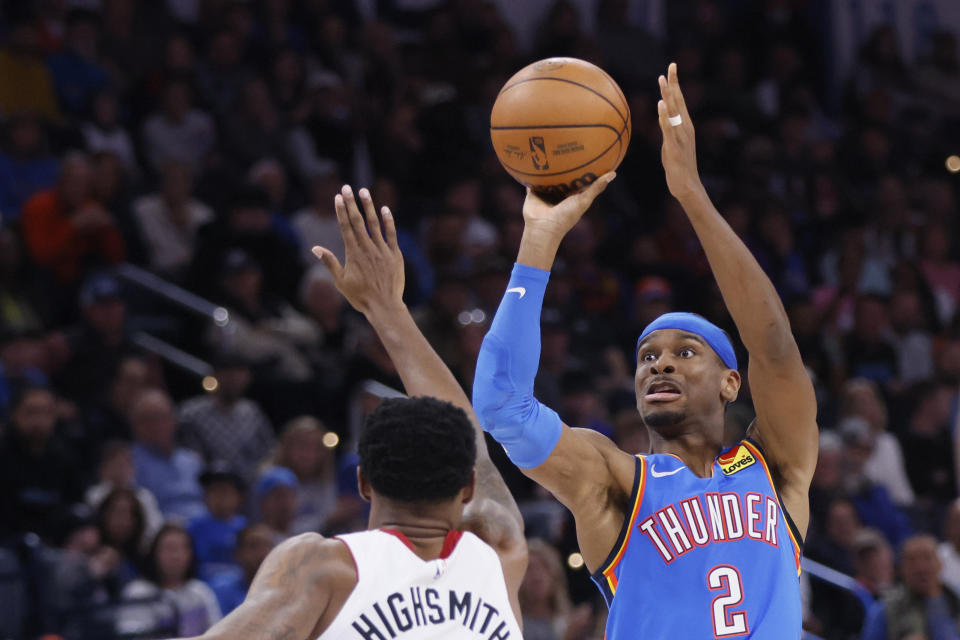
(559, 124)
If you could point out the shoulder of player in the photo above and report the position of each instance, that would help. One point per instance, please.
(323, 562)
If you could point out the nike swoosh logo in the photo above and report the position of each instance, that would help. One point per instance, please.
(656, 474)
(521, 290)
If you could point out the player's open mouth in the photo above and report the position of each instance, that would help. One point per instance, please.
(662, 391)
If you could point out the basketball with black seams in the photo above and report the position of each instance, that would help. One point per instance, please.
(559, 124)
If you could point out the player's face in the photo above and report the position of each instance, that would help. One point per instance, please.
(678, 378)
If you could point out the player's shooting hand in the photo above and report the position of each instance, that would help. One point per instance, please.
(545, 225)
(679, 151)
(372, 274)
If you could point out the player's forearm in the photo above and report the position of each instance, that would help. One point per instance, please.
(506, 369)
(424, 373)
(538, 248)
(747, 291)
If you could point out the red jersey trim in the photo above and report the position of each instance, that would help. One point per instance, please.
(449, 542)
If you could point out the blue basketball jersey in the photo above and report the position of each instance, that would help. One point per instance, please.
(704, 557)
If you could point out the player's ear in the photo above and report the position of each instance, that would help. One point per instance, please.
(363, 485)
(730, 386)
(467, 492)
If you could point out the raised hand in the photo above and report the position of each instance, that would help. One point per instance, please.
(545, 225)
(561, 217)
(372, 276)
(679, 151)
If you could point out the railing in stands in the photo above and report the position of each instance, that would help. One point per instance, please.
(184, 299)
(172, 354)
(173, 293)
(838, 579)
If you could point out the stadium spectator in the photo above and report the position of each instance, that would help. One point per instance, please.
(919, 607)
(225, 425)
(66, 230)
(26, 165)
(104, 132)
(928, 445)
(170, 568)
(107, 415)
(301, 448)
(84, 571)
(221, 73)
(116, 471)
(77, 72)
(22, 356)
(275, 501)
(872, 501)
(28, 85)
(861, 398)
(547, 611)
(169, 219)
(316, 223)
(834, 545)
(873, 562)
(24, 307)
(122, 525)
(99, 343)
(254, 542)
(179, 132)
(169, 472)
(253, 127)
(265, 328)
(39, 476)
(247, 226)
(911, 337)
(949, 549)
(215, 532)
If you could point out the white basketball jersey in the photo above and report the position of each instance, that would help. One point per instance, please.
(461, 595)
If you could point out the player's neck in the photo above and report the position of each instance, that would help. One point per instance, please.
(697, 450)
(424, 526)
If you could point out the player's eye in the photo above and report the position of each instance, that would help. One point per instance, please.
(687, 352)
(649, 356)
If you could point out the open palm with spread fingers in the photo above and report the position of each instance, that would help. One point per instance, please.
(372, 273)
(679, 151)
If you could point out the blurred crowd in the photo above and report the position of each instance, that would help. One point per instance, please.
(204, 140)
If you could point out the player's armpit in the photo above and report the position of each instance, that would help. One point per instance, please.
(786, 428)
(593, 478)
(292, 593)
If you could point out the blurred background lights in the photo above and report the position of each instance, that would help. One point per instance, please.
(575, 560)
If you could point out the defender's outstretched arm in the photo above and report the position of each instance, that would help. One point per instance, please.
(372, 280)
(782, 391)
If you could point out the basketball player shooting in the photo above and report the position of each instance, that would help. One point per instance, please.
(444, 553)
(692, 540)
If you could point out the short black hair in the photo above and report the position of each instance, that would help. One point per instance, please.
(417, 450)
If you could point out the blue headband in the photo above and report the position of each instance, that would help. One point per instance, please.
(698, 325)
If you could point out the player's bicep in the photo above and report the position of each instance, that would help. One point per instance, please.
(786, 427)
(584, 467)
(286, 599)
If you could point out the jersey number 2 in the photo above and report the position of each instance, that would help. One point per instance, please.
(727, 623)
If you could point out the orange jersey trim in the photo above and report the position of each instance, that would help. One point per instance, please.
(763, 461)
(608, 573)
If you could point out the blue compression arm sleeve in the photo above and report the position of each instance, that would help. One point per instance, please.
(506, 368)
